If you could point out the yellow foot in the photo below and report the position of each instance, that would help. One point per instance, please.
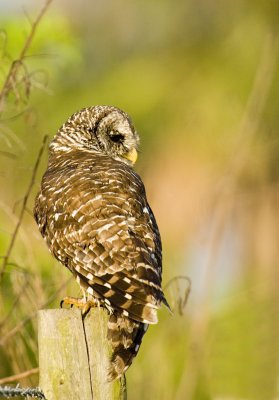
(82, 303)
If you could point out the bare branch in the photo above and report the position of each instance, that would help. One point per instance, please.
(26, 197)
(18, 377)
(24, 321)
(15, 303)
(179, 294)
(12, 74)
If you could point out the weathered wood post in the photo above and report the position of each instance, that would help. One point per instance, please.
(74, 356)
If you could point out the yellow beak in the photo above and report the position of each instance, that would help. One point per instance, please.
(131, 156)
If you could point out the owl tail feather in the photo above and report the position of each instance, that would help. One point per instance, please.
(125, 336)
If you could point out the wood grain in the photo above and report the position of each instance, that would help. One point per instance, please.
(74, 356)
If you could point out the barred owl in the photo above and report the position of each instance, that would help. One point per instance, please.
(93, 213)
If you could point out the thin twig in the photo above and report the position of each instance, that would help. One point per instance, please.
(181, 294)
(8, 154)
(26, 197)
(15, 303)
(18, 377)
(177, 278)
(24, 321)
(11, 76)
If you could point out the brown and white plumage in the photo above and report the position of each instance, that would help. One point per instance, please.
(93, 213)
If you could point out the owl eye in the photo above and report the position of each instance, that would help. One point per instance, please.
(116, 137)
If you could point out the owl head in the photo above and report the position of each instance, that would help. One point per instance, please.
(100, 129)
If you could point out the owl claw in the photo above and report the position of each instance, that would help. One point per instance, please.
(83, 304)
(61, 303)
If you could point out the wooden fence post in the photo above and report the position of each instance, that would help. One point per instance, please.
(74, 356)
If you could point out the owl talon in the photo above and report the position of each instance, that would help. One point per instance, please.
(83, 304)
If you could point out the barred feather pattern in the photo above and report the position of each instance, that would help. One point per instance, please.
(93, 213)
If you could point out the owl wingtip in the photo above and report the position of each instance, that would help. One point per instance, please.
(164, 301)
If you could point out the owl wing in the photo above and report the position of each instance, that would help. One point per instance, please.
(104, 231)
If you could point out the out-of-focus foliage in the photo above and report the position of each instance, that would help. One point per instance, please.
(53, 51)
(200, 81)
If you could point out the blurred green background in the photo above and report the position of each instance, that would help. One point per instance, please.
(200, 80)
